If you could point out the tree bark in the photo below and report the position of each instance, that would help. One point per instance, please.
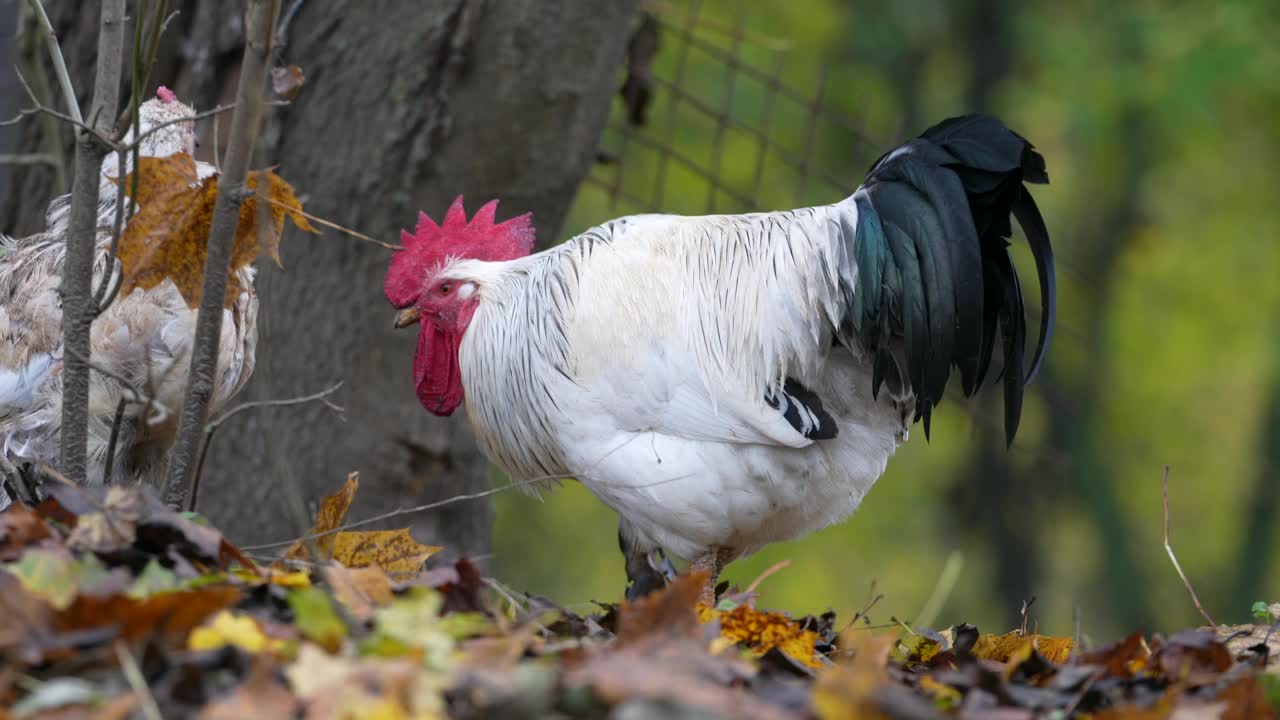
(9, 90)
(406, 105)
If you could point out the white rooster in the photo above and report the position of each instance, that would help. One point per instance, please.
(144, 337)
(730, 381)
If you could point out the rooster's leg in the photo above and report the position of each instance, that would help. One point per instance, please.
(646, 571)
(711, 562)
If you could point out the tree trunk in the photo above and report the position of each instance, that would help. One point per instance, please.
(406, 105)
(9, 89)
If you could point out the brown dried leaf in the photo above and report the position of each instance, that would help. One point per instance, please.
(1121, 659)
(1003, 648)
(671, 611)
(20, 528)
(168, 237)
(332, 512)
(24, 619)
(115, 527)
(261, 696)
(395, 551)
(1194, 655)
(287, 81)
(171, 616)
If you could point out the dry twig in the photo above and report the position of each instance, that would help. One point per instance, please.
(402, 511)
(1168, 548)
(214, 424)
(259, 30)
(137, 683)
(82, 230)
(59, 65)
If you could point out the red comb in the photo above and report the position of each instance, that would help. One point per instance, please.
(166, 95)
(431, 245)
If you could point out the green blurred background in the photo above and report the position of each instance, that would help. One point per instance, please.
(1160, 122)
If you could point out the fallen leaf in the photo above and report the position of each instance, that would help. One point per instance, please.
(1193, 655)
(20, 528)
(113, 528)
(360, 590)
(168, 616)
(848, 690)
(314, 615)
(376, 688)
(287, 81)
(261, 696)
(1001, 648)
(764, 631)
(413, 621)
(232, 628)
(395, 551)
(332, 512)
(168, 237)
(671, 611)
(1121, 659)
(25, 620)
(50, 574)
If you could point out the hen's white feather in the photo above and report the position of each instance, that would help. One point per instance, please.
(144, 337)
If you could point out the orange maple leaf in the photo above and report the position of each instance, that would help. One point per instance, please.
(169, 235)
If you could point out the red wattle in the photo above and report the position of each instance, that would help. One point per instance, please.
(436, 374)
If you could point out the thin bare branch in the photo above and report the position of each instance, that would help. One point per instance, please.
(232, 190)
(82, 230)
(28, 158)
(138, 395)
(335, 226)
(185, 118)
(59, 65)
(406, 511)
(40, 108)
(1168, 548)
(209, 429)
(114, 440)
(137, 683)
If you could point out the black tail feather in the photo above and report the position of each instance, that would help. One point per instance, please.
(934, 275)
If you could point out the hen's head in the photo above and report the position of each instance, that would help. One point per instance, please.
(176, 137)
(429, 286)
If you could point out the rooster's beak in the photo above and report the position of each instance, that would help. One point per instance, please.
(407, 317)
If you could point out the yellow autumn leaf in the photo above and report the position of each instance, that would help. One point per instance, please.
(232, 628)
(763, 631)
(332, 512)
(395, 551)
(275, 576)
(1003, 648)
(168, 238)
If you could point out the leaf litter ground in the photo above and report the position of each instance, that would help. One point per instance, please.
(114, 606)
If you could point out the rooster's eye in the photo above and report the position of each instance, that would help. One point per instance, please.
(446, 289)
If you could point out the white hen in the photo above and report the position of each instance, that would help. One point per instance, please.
(144, 337)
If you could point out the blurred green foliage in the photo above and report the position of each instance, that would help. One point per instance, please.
(1160, 122)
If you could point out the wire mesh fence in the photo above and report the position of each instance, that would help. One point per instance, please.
(708, 123)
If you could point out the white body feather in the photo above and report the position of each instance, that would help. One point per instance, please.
(636, 358)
